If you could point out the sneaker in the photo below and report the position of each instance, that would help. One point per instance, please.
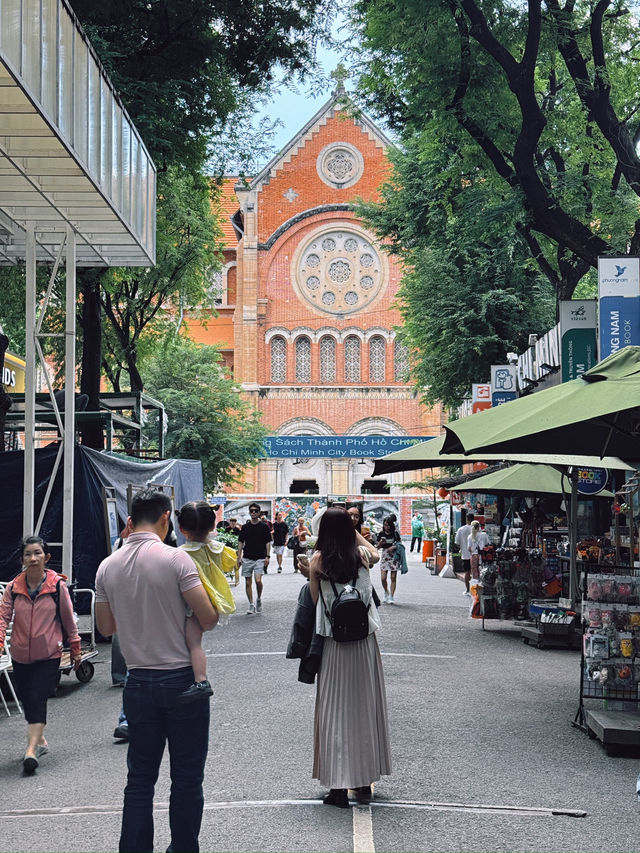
(197, 690)
(466, 592)
(121, 732)
(30, 764)
(279, 570)
(386, 598)
(259, 605)
(390, 600)
(41, 750)
(251, 610)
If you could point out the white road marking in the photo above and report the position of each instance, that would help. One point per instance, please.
(475, 808)
(281, 653)
(362, 830)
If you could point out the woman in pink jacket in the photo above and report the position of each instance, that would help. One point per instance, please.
(39, 603)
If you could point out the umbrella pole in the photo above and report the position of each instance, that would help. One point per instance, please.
(573, 538)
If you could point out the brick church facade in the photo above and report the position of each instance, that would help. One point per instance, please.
(306, 310)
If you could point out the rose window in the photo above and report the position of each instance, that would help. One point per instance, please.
(338, 271)
(340, 165)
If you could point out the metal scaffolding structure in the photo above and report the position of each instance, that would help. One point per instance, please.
(76, 185)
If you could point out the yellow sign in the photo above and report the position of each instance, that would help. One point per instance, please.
(13, 373)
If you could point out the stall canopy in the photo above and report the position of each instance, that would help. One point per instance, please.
(597, 413)
(429, 454)
(524, 480)
(92, 471)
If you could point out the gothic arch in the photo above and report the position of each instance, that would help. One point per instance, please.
(378, 330)
(352, 330)
(277, 331)
(303, 330)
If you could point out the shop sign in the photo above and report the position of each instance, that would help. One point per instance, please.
(480, 397)
(337, 446)
(591, 481)
(578, 336)
(619, 303)
(13, 372)
(503, 383)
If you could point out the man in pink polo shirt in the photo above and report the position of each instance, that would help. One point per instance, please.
(144, 588)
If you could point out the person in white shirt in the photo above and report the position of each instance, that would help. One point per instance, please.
(477, 540)
(461, 540)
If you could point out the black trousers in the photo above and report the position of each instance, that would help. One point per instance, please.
(34, 684)
(417, 539)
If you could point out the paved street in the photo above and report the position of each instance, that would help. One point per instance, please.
(481, 735)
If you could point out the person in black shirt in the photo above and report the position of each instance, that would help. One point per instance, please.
(280, 536)
(254, 552)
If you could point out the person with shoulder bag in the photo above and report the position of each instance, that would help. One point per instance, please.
(39, 604)
(351, 729)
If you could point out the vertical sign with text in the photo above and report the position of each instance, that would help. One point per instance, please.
(578, 336)
(503, 383)
(480, 397)
(619, 308)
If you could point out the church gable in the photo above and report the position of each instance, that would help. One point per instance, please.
(333, 160)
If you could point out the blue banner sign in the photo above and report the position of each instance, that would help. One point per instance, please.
(591, 481)
(337, 446)
(619, 308)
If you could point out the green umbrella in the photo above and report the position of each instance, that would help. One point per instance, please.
(428, 454)
(596, 414)
(523, 479)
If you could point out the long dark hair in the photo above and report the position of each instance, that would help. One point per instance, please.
(337, 546)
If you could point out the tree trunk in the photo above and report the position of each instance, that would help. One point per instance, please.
(91, 433)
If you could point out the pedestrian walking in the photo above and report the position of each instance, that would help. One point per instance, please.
(477, 540)
(146, 587)
(301, 532)
(462, 541)
(39, 604)
(351, 730)
(280, 535)
(254, 553)
(386, 544)
(417, 532)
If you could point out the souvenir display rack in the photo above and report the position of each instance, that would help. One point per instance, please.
(610, 660)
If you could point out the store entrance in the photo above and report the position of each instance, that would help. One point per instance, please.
(304, 487)
(375, 487)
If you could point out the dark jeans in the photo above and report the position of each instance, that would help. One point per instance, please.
(154, 716)
(118, 663)
(417, 539)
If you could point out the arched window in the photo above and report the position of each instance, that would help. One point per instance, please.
(303, 359)
(352, 359)
(400, 362)
(278, 359)
(377, 358)
(327, 359)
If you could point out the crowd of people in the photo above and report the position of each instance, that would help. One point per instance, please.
(156, 599)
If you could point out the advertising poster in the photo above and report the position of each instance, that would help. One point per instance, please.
(578, 336)
(619, 292)
(503, 383)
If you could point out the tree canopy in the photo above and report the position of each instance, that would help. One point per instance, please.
(539, 100)
(206, 416)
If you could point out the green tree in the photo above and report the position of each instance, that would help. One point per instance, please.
(538, 100)
(470, 292)
(207, 418)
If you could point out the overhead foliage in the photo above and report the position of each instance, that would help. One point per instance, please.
(207, 418)
(539, 100)
(470, 291)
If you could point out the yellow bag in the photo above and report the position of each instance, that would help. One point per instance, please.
(212, 559)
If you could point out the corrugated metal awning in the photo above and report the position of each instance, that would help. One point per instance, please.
(69, 153)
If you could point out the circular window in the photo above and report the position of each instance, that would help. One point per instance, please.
(338, 271)
(340, 165)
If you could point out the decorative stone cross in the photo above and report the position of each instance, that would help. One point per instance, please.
(339, 74)
(291, 194)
